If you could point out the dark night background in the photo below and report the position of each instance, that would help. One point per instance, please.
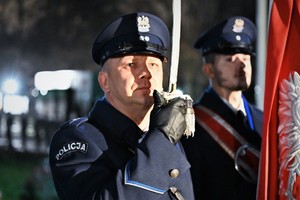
(49, 35)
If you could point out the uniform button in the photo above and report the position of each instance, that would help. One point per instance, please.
(174, 173)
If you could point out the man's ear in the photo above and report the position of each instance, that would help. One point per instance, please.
(103, 81)
(207, 69)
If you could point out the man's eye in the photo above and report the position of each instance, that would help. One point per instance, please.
(130, 65)
(154, 64)
(247, 58)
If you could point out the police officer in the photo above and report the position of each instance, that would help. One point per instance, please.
(127, 147)
(224, 153)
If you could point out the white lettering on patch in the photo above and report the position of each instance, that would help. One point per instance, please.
(71, 147)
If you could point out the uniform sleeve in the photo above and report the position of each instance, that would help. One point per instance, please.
(79, 166)
(159, 165)
(85, 166)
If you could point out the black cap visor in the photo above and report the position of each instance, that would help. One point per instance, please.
(127, 45)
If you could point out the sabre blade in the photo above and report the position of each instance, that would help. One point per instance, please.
(175, 45)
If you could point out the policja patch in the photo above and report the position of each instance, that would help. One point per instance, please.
(71, 147)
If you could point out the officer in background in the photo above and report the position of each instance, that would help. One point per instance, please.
(224, 153)
(127, 147)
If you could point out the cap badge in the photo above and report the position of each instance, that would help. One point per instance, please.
(143, 23)
(238, 26)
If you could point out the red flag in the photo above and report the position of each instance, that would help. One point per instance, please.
(277, 165)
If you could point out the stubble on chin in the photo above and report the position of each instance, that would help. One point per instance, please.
(242, 86)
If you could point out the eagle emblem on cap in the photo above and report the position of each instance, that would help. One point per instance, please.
(238, 26)
(143, 24)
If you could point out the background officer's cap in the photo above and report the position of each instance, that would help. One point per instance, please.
(234, 35)
(136, 33)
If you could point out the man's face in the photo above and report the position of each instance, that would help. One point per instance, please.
(132, 79)
(232, 72)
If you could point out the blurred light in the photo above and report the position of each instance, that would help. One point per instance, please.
(10, 86)
(34, 92)
(54, 80)
(15, 104)
(44, 92)
(1, 103)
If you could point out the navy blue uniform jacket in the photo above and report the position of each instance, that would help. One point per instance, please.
(213, 171)
(100, 157)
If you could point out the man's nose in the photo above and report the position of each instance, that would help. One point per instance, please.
(240, 60)
(145, 72)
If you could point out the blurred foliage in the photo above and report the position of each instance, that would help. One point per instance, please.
(39, 185)
(25, 177)
(58, 34)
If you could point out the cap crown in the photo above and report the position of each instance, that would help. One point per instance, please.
(234, 35)
(135, 33)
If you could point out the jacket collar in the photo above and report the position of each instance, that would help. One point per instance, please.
(114, 124)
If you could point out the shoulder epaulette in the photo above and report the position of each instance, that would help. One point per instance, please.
(75, 122)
